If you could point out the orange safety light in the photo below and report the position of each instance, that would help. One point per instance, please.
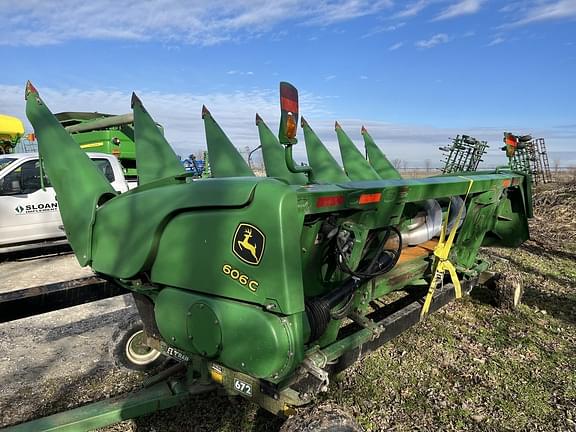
(370, 198)
(291, 126)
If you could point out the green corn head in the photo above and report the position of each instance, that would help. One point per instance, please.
(257, 275)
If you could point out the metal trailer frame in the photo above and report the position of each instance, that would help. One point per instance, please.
(41, 299)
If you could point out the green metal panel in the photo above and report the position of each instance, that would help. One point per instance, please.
(357, 168)
(155, 158)
(511, 224)
(197, 244)
(124, 246)
(274, 158)
(225, 161)
(239, 335)
(377, 159)
(80, 186)
(325, 167)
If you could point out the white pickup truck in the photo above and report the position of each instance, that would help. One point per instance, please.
(29, 215)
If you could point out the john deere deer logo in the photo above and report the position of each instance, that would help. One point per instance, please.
(248, 243)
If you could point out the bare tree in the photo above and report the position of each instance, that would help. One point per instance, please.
(397, 163)
(556, 166)
(427, 165)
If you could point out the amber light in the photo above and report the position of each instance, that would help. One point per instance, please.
(330, 201)
(370, 198)
(290, 126)
(116, 152)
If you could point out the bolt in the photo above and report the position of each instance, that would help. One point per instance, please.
(189, 314)
(242, 364)
(173, 339)
(216, 322)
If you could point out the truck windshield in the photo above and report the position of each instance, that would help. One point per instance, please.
(5, 161)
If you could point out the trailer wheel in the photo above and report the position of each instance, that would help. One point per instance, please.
(321, 419)
(508, 290)
(130, 350)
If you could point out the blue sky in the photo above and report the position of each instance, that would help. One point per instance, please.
(414, 72)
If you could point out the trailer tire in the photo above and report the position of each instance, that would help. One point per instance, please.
(129, 350)
(509, 290)
(327, 418)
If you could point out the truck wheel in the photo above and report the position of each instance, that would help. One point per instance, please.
(508, 290)
(321, 419)
(130, 350)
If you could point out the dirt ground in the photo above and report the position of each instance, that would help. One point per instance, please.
(469, 366)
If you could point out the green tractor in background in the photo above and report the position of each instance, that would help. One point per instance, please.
(266, 286)
(104, 133)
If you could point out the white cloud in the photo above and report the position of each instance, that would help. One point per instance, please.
(413, 9)
(236, 72)
(437, 39)
(363, 77)
(203, 22)
(180, 114)
(396, 46)
(330, 77)
(184, 128)
(329, 12)
(496, 41)
(549, 10)
(388, 28)
(462, 7)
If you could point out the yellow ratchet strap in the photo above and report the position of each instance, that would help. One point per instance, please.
(441, 252)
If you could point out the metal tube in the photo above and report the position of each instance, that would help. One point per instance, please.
(102, 123)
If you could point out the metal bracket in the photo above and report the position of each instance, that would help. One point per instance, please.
(311, 367)
(367, 323)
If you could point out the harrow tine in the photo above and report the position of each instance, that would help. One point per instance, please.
(155, 158)
(225, 160)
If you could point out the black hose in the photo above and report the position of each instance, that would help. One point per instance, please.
(319, 310)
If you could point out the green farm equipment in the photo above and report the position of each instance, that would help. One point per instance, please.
(266, 286)
(464, 155)
(103, 133)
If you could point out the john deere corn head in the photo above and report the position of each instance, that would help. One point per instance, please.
(265, 286)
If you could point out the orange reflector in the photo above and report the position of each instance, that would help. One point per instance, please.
(116, 152)
(290, 127)
(330, 201)
(216, 374)
(370, 198)
(506, 183)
